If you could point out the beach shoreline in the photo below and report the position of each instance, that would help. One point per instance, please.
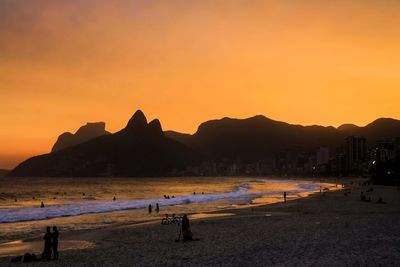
(73, 211)
(327, 228)
(257, 201)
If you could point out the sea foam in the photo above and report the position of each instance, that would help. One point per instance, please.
(9, 215)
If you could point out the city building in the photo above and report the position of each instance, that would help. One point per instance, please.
(322, 156)
(355, 151)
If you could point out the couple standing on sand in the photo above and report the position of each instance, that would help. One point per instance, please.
(50, 243)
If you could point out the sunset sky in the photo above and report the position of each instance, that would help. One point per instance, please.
(64, 63)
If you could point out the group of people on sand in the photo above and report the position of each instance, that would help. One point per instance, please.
(50, 248)
(150, 208)
(183, 224)
(365, 198)
(50, 244)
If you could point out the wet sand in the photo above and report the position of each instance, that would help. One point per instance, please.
(20, 247)
(328, 229)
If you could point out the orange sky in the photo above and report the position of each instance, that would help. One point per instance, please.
(64, 63)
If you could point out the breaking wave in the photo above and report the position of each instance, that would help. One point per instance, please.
(9, 215)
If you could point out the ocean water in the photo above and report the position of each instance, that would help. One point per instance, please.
(86, 203)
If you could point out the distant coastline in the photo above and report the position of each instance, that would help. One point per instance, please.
(255, 146)
(3, 172)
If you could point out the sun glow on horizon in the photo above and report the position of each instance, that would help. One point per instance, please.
(65, 63)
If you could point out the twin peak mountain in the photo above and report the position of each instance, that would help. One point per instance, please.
(138, 122)
(140, 149)
(143, 149)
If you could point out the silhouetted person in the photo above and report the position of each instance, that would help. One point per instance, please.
(380, 201)
(362, 196)
(194, 193)
(55, 242)
(150, 208)
(42, 205)
(47, 244)
(186, 231)
(284, 196)
(114, 198)
(157, 208)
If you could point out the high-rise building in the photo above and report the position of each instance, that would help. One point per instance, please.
(355, 152)
(386, 149)
(322, 156)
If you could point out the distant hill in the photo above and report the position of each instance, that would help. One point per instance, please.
(259, 137)
(84, 133)
(3, 172)
(143, 149)
(256, 138)
(348, 127)
(140, 149)
(383, 128)
(180, 137)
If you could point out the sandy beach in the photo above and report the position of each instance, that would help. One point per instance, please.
(326, 229)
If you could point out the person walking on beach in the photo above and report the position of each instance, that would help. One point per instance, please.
(157, 208)
(55, 242)
(284, 196)
(150, 208)
(47, 244)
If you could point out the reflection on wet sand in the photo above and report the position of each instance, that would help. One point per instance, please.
(20, 247)
(209, 215)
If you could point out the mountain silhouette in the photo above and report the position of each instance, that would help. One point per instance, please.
(84, 133)
(143, 149)
(180, 137)
(255, 138)
(3, 172)
(380, 129)
(348, 127)
(259, 137)
(140, 149)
